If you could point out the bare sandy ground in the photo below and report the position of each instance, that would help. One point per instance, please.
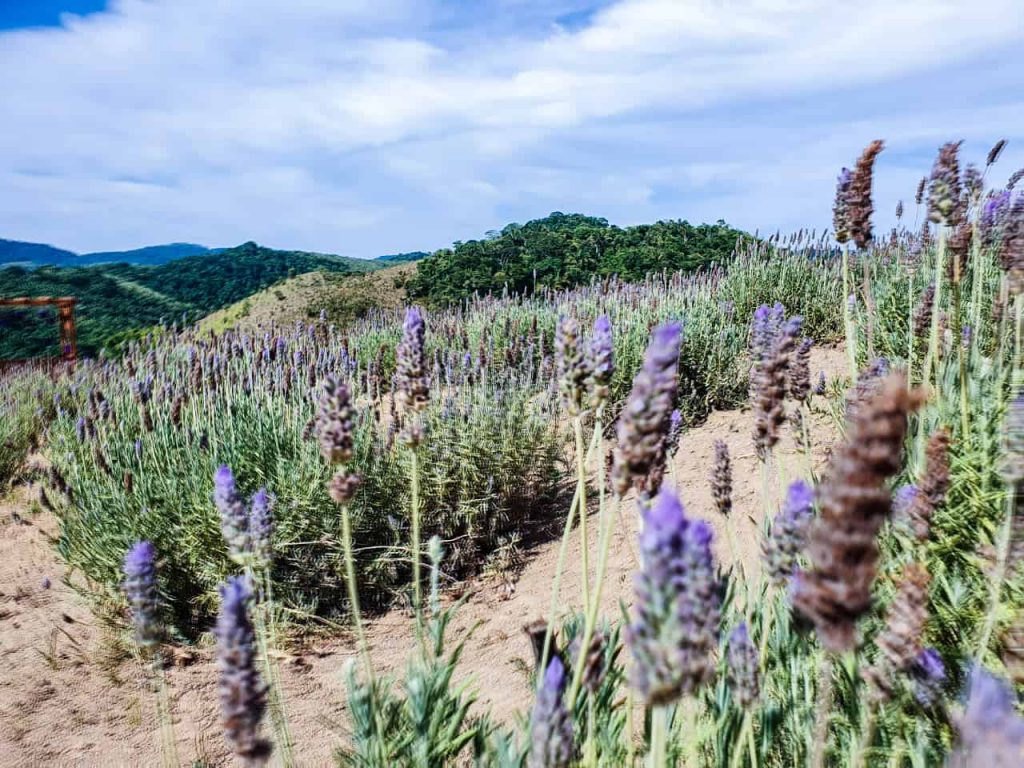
(65, 701)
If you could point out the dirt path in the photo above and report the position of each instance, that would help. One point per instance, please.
(65, 700)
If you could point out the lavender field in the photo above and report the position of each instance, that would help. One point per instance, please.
(244, 494)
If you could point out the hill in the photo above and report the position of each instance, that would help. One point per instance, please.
(397, 258)
(344, 297)
(32, 254)
(116, 301)
(152, 254)
(563, 250)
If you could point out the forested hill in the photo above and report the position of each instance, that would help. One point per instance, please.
(562, 250)
(117, 299)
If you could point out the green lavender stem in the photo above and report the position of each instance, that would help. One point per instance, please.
(581, 480)
(353, 590)
(594, 604)
(560, 568)
(658, 756)
(822, 710)
(851, 341)
(996, 587)
(741, 742)
(414, 488)
(168, 741)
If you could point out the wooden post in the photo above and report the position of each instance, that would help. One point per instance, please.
(66, 315)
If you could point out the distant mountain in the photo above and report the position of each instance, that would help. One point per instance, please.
(152, 254)
(400, 258)
(117, 300)
(32, 254)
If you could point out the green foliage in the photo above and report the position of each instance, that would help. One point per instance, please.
(563, 250)
(26, 407)
(115, 300)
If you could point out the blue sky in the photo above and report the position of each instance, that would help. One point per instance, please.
(375, 127)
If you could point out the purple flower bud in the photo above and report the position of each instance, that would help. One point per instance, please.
(138, 450)
(243, 696)
(788, 534)
(261, 527)
(80, 429)
(841, 207)
(141, 590)
(902, 500)
(929, 673)
(600, 361)
(411, 373)
(676, 611)
(571, 365)
(991, 732)
(643, 425)
(742, 667)
(234, 520)
(334, 422)
(551, 738)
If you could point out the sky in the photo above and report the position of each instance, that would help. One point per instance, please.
(366, 128)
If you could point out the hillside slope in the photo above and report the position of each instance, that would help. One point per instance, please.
(343, 297)
(116, 301)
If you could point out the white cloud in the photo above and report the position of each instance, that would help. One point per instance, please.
(366, 127)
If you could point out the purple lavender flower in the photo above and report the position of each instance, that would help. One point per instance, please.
(929, 674)
(234, 520)
(261, 527)
(841, 207)
(993, 215)
(643, 425)
(334, 422)
(742, 667)
(80, 429)
(902, 500)
(600, 361)
(141, 590)
(788, 534)
(676, 612)
(571, 365)
(991, 732)
(138, 450)
(243, 696)
(819, 388)
(675, 431)
(551, 724)
(413, 384)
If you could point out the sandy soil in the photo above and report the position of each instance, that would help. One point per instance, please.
(65, 700)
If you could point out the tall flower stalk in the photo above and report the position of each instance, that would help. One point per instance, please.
(334, 425)
(140, 587)
(414, 392)
(676, 613)
(854, 502)
(248, 531)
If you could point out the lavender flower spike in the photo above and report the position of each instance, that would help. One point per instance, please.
(261, 527)
(742, 660)
(551, 724)
(788, 534)
(141, 590)
(600, 362)
(676, 611)
(572, 367)
(991, 732)
(929, 674)
(413, 383)
(643, 425)
(234, 519)
(243, 696)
